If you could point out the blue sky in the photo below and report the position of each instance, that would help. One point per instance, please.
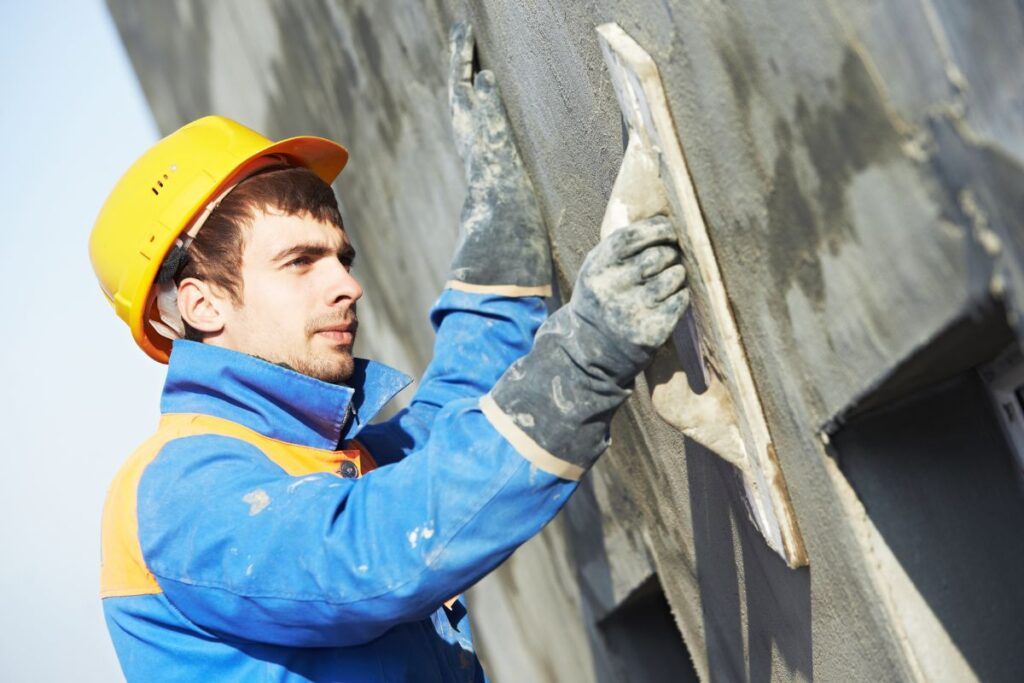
(76, 395)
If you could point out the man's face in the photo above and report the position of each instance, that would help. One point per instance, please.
(299, 298)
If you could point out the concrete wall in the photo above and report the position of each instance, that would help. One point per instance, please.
(860, 167)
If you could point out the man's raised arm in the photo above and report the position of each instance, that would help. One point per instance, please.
(492, 303)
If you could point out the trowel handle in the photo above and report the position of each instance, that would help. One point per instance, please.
(707, 417)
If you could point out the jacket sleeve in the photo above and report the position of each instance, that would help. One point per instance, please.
(477, 337)
(245, 551)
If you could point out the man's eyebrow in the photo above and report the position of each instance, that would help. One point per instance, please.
(314, 249)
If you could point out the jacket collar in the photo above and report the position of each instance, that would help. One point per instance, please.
(275, 401)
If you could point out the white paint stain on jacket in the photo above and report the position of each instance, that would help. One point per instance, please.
(258, 500)
(421, 532)
(299, 482)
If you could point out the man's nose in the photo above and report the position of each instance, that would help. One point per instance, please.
(343, 285)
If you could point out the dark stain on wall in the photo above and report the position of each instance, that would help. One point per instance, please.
(845, 140)
(839, 141)
(334, 86)
(390, 114)
(740, 66)
(793, 226)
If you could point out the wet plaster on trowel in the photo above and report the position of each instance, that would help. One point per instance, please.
(638, 193)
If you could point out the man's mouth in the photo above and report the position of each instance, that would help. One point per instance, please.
(341, 333)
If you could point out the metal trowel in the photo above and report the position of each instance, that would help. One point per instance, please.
(725, 417)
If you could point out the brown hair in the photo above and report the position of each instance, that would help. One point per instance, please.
(215, 255)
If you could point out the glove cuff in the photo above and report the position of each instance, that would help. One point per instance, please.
(499, 290)
(525, 444)
(559, 401)
(503, 246)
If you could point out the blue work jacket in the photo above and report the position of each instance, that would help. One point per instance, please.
(269, 532)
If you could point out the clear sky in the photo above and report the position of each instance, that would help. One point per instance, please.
(76, 395)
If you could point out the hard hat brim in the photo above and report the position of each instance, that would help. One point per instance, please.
(320, 155)
(324, 157)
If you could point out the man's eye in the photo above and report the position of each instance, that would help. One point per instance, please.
(300, 261)
(347, 260)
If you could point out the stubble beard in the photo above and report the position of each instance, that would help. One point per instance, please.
(335, 366)
(335, 370)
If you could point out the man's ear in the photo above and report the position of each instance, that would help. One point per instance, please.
(200, 306)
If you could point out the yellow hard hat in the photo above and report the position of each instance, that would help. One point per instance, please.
(165, 191)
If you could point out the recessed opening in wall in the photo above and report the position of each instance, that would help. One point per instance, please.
(1004, 379)
(937, 475)
(642, 639)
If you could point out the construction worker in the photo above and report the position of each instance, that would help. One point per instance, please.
(267, 530)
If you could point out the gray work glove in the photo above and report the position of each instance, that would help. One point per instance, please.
(503, 246)
(628, 298)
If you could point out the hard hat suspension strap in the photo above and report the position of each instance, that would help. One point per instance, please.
(165, 290)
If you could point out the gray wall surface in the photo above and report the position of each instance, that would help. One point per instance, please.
(860, 167)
